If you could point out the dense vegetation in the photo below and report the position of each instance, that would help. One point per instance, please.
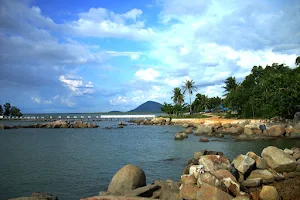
(8, 110)
(264, 93)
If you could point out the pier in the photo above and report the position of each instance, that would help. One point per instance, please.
(79, 117)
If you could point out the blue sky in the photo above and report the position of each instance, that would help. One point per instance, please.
(98, 56)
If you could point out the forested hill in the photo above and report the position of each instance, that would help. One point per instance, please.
(149, 106)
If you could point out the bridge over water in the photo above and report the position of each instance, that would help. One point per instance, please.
(79, 117)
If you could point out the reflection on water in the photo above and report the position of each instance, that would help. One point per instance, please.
(74, 163)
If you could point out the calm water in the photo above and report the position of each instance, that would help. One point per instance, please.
(74, 163)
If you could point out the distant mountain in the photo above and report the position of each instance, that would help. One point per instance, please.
(114, 111)
(149, 106)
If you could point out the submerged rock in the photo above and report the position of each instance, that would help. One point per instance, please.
(37, 196)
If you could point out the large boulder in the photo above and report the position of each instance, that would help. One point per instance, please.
(189, 191)
(248, 131)
(126, 179)
(265, 175)
(188, 179)
(208, 178)
(278, 160)
(276, 131)
(243, 163)
(204, 129)
(208, 192)
(214, 162)
(269, 193)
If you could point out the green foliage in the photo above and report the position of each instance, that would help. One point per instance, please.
(230, 84)
(1, 110)
(15, 111)
(189, 85)
(177, 97)
(297, 62)
(7, 107)
(267, 92)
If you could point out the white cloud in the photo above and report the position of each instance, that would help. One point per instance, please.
(100, 22)
(76, 84)
(48, 102)
(148, 74)
(36, 100)
(67, 102)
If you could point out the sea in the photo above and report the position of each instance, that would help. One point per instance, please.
(78, 163)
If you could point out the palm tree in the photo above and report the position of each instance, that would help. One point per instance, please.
(189, 85)
(178, 97)
(230, 84)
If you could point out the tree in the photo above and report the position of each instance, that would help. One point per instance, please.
(189, 85)
(15, 111)
(200, 102)
(230, 84)
(297, 62)
(1, 110)
(177, 97)
(167, 108)
(7, 109)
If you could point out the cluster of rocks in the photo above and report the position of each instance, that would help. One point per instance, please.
(37, 196)
(241, 131)
(214, 177)
(55, 124)
(154, 121)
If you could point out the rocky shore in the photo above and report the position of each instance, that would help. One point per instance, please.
(210, 175)
(54, 124)
(239, 129)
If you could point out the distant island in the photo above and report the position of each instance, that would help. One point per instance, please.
(149, 106)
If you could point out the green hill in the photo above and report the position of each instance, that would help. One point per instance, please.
(149, 106)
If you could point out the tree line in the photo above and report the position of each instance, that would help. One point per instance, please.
(8, 110)
(264, 93)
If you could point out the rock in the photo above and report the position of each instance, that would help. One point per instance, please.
(259, 161)
(187, 168)
(243, 163)
(189, 192)
(188, 130)
(220, 135)
(257, 131)
(276, 131)
(248, 131)
(227, 125)
(269, 193)
(37, 196)
(126, 179)
(214, 162)
(204, 139)
(208, 192)
(228, 180)
(167, 184)
(208, 178)
(196, 170)
(252, 182)
(188, 179)
(296, 155)
(297, 117)
(159, 120)
(242, 197)
(146, 191)
(277, 176)
(203, 129)
(288, 151)
(235, 130)
(265, 175)
(193, 161)
(186, 125)
(180, 136)
(198, 154)
(278, 159)
(169, 194)
(79, 124)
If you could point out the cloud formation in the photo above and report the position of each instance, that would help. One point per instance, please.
(117, 60)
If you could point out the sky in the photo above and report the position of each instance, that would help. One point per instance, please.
(98, 56)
